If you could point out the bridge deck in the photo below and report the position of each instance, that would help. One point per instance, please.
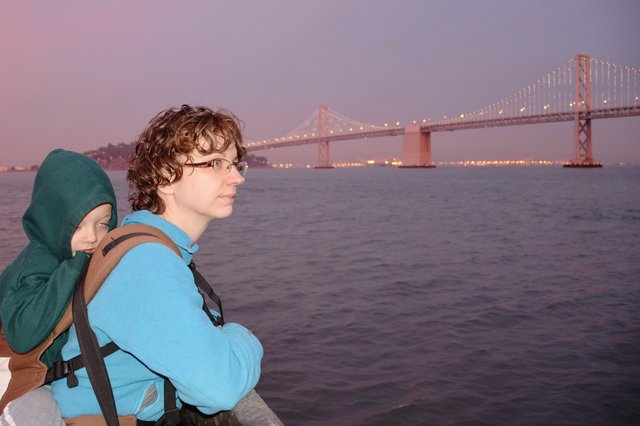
(452, 125)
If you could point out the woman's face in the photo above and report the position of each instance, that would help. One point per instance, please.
(202, 194)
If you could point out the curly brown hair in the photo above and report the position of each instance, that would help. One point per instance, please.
(168, 141)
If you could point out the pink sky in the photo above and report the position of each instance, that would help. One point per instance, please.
(80, 75)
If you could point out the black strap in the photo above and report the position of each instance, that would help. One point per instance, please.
(206, 291)
(62, 369)
(91, 356)
(171, 416)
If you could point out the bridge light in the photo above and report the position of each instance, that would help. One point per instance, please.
(522, 109)
(461, 115)
(386, 125)
(500, 112)
(351, 129)
(361, 128)
(605, 101)
(397, 123)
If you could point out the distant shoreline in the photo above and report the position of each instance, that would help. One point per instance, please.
(17, 169)
(465, 164)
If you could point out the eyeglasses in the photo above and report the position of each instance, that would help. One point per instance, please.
(222, 166)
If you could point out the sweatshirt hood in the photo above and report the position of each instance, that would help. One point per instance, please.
(67, 186)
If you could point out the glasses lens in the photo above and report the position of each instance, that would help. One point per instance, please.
(220, 166)
(242, 167)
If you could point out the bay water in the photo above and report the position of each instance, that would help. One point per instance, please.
(448, 296)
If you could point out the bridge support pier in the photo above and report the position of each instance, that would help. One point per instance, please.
(416, 148)
(582, 149)
(324, 160)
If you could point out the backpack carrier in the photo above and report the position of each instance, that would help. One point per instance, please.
(28, 372)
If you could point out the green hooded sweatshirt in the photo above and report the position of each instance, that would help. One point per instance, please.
(36, 288)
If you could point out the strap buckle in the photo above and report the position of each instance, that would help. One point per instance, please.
(60, 370)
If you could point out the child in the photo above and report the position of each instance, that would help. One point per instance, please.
(73, 205)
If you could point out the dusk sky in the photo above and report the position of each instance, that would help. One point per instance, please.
(80, 75)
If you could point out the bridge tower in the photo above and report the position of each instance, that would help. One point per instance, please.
(416, 147)
(582, 148)
(324, 161)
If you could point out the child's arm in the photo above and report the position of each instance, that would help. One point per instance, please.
(36, 300)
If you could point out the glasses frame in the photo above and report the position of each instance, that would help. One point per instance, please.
(240, 166)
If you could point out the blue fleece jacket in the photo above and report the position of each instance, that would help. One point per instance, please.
(150, 307)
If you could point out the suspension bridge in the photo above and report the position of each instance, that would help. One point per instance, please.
(581, 90)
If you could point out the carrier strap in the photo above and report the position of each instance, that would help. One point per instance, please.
(62, 369)
(207, 292)
(112, 244)
(90, 353)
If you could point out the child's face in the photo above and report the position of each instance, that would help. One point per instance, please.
(93, 227)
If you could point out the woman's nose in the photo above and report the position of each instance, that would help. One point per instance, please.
(235, 177)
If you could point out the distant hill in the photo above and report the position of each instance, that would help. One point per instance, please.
(115, 157)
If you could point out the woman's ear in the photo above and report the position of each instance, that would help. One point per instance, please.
(167, 189)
